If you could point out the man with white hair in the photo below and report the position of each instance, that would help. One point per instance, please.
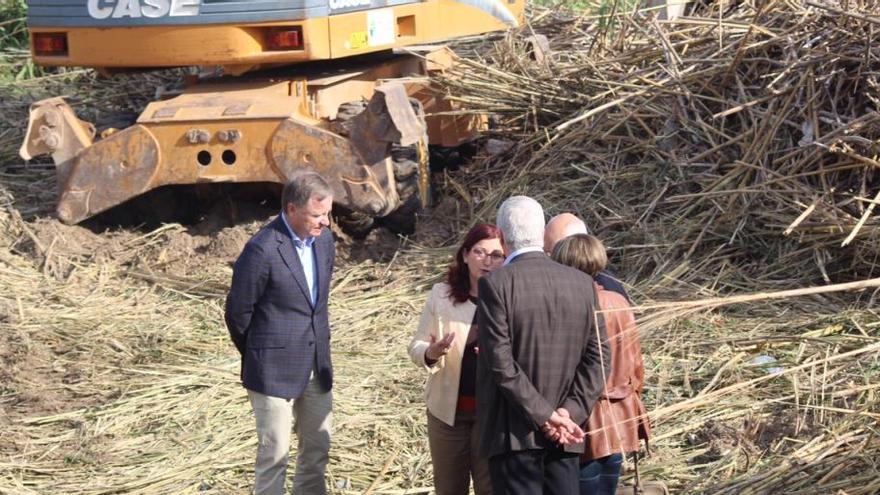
(566, 225)
(540, 367)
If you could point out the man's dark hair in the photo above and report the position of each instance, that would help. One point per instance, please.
(302, 186)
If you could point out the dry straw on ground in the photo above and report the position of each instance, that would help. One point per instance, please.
(690, 147)
(726, 131)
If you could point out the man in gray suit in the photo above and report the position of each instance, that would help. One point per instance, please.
(276, 313)
(540, 367)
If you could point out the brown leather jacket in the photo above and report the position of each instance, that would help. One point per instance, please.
(619, 420)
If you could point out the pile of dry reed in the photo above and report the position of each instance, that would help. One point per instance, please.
(742, 137)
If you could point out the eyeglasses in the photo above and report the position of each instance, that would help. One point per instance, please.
(494, 256)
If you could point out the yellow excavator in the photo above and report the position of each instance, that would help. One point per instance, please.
(336, 86)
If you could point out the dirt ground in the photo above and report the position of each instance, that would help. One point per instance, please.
(117, 376)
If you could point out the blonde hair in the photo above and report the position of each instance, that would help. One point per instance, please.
(582, 251)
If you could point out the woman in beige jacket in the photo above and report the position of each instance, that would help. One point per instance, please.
(445, 344)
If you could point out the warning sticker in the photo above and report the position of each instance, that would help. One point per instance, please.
(380, 27)
(357, 40)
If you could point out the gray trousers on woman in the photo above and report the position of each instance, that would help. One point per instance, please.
(455, 454)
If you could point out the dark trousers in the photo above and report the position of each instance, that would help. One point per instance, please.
(534, 472)
(456, 457)
(599, 476)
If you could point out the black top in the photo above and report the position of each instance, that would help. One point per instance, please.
(467, 384)
(607, 280)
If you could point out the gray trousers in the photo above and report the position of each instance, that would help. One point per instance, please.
(455, 455)
(311, 416)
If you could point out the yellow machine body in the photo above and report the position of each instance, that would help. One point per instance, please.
(277, 113)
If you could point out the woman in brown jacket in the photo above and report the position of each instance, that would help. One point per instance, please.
(619, 420)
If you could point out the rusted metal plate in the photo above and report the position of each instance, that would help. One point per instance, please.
(251, 100)
(356, 184)
(237, 109)
(446, 127)
(108, 173)
(54, 129)
(165, 112)
(404, 118)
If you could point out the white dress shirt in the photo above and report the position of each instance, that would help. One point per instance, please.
(527, 249)
(306, 253)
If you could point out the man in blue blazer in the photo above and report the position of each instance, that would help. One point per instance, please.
(276, 313)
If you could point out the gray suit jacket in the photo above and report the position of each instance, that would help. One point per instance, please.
(270, 318)
(538, 351)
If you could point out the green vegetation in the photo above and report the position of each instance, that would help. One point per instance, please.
(601, 10)
(13, 28)
(15, 61)
(590, 7)
(576, 5)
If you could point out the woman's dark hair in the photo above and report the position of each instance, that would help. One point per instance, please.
(457, 276)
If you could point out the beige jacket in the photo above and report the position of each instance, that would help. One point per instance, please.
(440, 317)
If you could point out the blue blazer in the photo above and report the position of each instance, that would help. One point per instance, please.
(270, 316)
